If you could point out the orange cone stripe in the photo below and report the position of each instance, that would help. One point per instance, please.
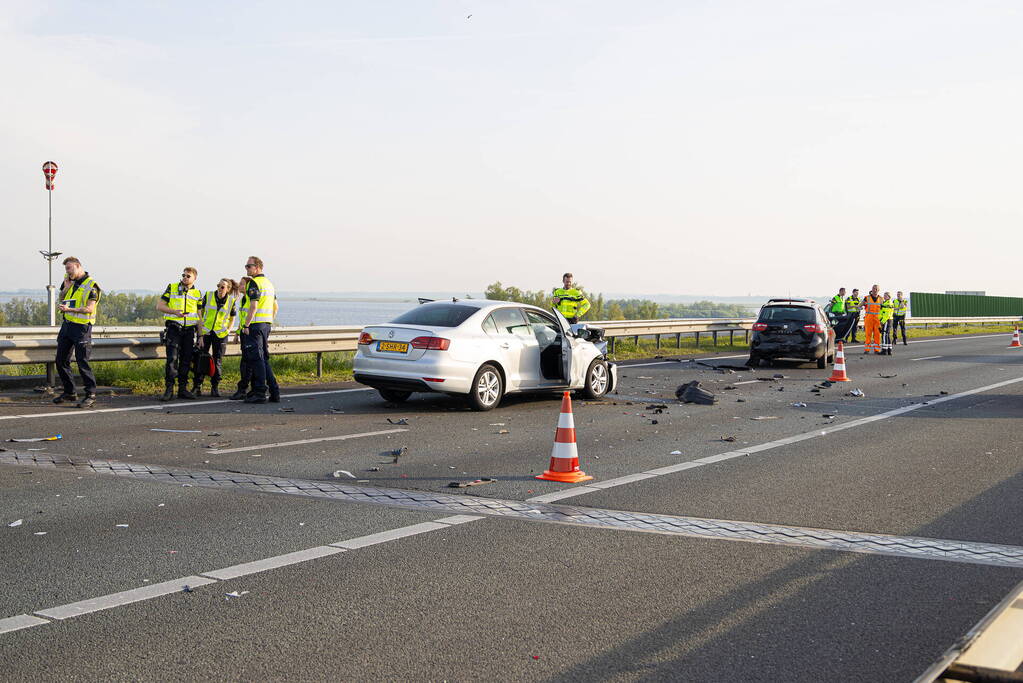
(565, 435)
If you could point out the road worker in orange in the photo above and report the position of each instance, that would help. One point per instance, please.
(872, 320)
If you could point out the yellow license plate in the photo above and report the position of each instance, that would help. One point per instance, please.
(393, 347)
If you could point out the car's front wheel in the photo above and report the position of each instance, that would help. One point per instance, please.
(598, 379)
(394, 396)
(487, 389)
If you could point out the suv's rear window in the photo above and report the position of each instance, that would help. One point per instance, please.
(437, 315)
(789, 313)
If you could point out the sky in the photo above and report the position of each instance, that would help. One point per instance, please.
(675, 147)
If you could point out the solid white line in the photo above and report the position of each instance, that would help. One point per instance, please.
(927, 358)
(273, 562)
(76, 609)
(163, 406)
(728, 455)
(458, 519)
(303, 441)
(748, 381)
(385, 536)
(19, 622)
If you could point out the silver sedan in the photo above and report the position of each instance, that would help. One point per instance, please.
(482, 349)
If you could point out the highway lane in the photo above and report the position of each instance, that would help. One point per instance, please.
(646, 606)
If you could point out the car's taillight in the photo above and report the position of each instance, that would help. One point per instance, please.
(759, 327)
(814, 328)
(431, 343)
(365, 338)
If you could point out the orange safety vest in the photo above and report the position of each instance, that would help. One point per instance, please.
(873, 304)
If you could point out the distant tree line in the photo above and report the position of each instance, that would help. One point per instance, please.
(622, 309)
(114, 309)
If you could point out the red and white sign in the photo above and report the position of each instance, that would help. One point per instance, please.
(49, 170)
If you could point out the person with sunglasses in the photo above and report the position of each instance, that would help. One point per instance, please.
(255, 333)
(180, 307)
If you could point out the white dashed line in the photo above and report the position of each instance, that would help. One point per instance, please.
(19, 622)
(281, 444)
(76, 609)
(927, 358)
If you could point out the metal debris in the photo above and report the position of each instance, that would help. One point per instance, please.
(217, 444)
(337, 474)
(399, 452)
(856, 392)
(886, 376)
(729, 439)
(37, 438)
(474, 482)
(16, 522)
(287, 409)
(692, 393)
(399, 421)
(799, 404)
(764, 417)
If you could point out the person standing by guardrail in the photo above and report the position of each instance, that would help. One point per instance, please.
(245, 372)
(216, 313)
(570, 301)
(887, 308)
(899, 318)
(852, 306)
(180, 307)
(79, 302)
(255, 333)
(871, 321)
(838, 301)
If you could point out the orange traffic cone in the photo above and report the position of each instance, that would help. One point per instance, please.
(564, 457)
(1015, 340)
(839, 374)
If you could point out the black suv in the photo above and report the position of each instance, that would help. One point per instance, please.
(792, 328)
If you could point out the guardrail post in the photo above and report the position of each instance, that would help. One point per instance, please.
(635, 340)
(611, 344)
(697, 339)
(731, 337)
(678, 340)
(747, 336)
(715, 336)
(319, 364)
(50, 371)
(657, 341)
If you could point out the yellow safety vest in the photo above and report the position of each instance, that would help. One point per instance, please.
(901, 306)
(265, 305)
(243, 311)
(187, 301)
(78, 297)
(873, 305)
(887, 307)
(852, 304)
(216, 319)
(573, 304)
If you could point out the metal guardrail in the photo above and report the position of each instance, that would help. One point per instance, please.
(25, 345)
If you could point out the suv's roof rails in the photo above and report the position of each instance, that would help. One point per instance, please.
(791, 301)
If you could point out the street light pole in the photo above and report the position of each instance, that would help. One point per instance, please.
(50, 170)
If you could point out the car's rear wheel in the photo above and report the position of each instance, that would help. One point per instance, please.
(597, 379)
(822, 362)
(754, 361)
(393, 395)
(487, 388)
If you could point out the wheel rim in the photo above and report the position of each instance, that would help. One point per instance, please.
(598, 379)
(488, 389)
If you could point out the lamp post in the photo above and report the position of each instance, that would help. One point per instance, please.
(50, 170)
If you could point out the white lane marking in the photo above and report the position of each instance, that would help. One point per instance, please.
(103, 602)
(19, 622)
(927, 358)
(747, 381)
(163, 406)
(272, 562)
(155, 590)
(385, 536)
(728, 455)
(627, 479)
(281, 444)
(848, 346)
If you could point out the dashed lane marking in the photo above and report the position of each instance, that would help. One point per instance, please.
(927, 358)
(343, 437)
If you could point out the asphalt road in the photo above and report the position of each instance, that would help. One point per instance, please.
(517, 592)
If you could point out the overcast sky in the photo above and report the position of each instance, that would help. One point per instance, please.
(650, 147)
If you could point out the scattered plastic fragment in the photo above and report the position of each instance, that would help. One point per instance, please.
(676, 453)
(336, 411)
(178, 431)
(830, 416)
(373, 469)
(943, 393)
(187, 589)
(399, 421)
(466, 484)
(728, 438)
(777, 376)
(337, 474)
(886, 376)
(161, 505)
(503, 431)
(236, 594)
(212, 434)
(653, 422)
(37, 438)
(496, 424)
(799, 404)
(39, 533)
(287, 409)
(692, 393)
(16, 522)
(856, 392)
(217, 444)
(122, 526)
(764, 417)
(399, 452)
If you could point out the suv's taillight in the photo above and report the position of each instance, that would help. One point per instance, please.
(431, 343)
(365, 338)
(815, 328)
(759, 327)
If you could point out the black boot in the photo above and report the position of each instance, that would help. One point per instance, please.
(238, 395)
(213, 391)
(66, 398)
(168, 394)
(255, 398)
(185, 393)
(197, 388)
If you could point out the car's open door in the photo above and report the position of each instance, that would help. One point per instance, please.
(566, 346)
(842, 322)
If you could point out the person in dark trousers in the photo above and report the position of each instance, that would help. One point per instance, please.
(255, 333)
(244, 371)
(79, 302)
(899, 318)
(852, 306)
(216, 313)
(180, 307)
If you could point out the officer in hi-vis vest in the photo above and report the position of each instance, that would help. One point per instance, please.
(180, 307)
(79, 301)
(570, 301)
(255, 333)
(852, 306)
(887, 309)
(899, 318)
(838, 301)
(216, 314)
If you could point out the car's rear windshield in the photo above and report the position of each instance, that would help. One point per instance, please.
(437, 315)
(791, 313)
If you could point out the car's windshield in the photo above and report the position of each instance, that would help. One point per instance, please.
(437, 315)
(787, 313)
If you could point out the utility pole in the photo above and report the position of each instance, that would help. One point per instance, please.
(50, 170)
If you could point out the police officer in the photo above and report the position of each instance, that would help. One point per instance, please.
(887, 308)
(255, 333)
(838, 301)
(899, 318)
(216, 313)
(570, 301)
(79, 301)
(180, 307)
(852, 306)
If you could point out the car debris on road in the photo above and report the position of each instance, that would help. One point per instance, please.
(474, 482)
(693, 393)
